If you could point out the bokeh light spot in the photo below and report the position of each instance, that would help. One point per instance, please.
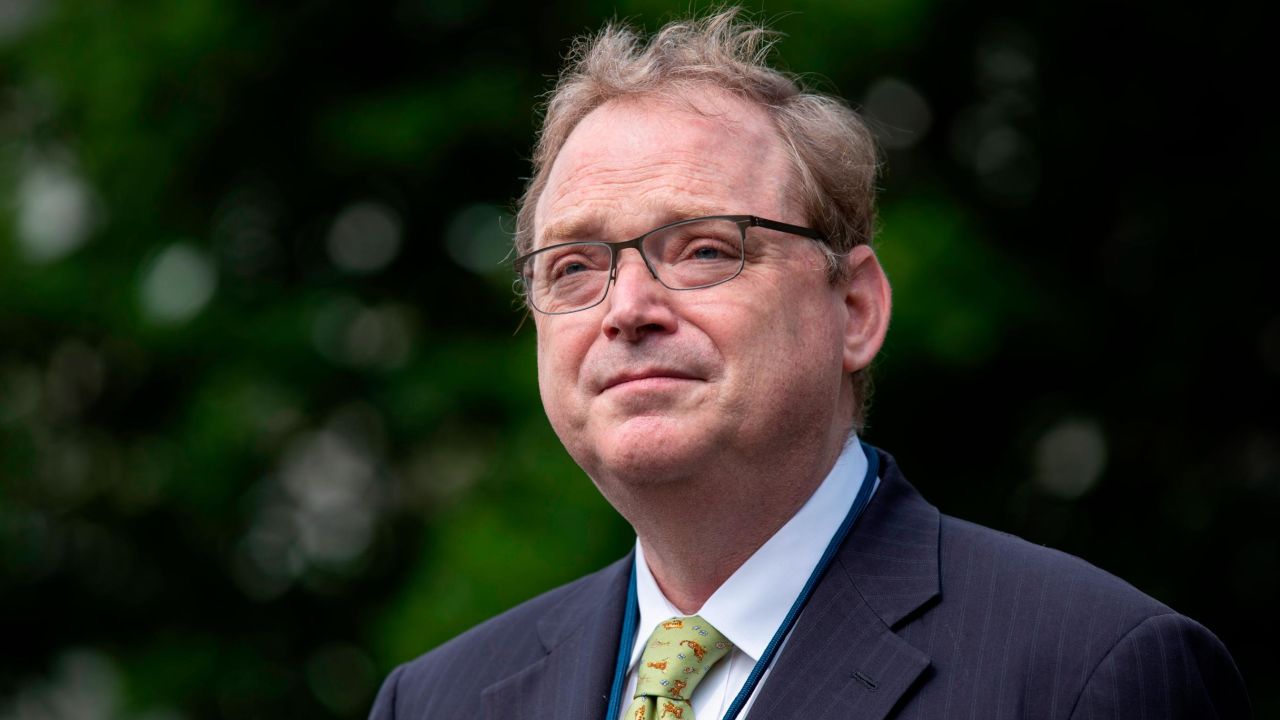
(55, 211)
(20, 392)
(85, 685)
(364, 238)
(177, 284)
(899, 114)
(1070, 458)
(476, 239)
(342, 677)
(347, 332)
(17, 17)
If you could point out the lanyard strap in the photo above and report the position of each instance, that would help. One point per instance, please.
(631, 615)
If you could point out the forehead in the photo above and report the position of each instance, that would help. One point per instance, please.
(638, 162)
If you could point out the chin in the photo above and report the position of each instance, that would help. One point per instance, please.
(651, 450)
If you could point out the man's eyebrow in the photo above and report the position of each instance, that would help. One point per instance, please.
(688, 211)
(574, 227)
(587, 227)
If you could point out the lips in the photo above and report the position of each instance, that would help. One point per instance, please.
(645, 374)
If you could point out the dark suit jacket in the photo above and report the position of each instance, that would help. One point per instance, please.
(921, 616)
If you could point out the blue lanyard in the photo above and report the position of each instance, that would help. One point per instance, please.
(631, 616)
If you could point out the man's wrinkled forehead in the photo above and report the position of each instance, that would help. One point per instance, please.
(587, 225)
(607, 149)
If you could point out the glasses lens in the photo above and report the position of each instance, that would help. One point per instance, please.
(696, 254)
(565, 278)
(685, 256)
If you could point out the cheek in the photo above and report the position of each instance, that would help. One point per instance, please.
(794, 351)
(560, 357)
(551, 371)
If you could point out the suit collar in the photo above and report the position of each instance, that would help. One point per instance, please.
(844, 653)
(599, 598)
(892, 555)
(580, 635)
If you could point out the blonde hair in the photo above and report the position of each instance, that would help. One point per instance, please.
(832, 150)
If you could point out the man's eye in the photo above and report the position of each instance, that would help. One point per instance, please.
(575, 263)
(709, 249)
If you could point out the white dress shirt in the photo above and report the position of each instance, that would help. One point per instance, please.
(751, 605)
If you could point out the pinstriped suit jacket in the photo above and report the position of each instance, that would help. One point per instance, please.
(921, 616)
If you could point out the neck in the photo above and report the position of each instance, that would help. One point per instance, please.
(737, 512)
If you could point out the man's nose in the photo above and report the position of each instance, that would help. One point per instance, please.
(637, 305)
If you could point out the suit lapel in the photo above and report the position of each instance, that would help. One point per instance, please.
(843, 659)
(581, 638)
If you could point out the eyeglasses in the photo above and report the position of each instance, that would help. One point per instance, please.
(684, 255)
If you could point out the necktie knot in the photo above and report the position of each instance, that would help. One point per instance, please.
(676, 657)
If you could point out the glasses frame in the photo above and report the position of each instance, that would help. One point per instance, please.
(637, 244)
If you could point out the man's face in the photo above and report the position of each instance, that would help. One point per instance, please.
(653, 384)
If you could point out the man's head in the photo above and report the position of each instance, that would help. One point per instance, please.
(693, 124)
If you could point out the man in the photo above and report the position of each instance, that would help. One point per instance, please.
(694, 248)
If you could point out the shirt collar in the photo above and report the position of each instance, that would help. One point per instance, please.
(750, 606)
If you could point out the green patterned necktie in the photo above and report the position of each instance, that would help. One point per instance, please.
(679, 654)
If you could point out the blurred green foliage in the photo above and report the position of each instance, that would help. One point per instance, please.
(269, 421)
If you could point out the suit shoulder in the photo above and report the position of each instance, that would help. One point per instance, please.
(1058, 610)
(463, 666)
(514, 631)
(1183, 670)
(1037, 572)
(1022, 627)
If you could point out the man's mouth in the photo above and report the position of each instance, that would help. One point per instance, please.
(649, 374)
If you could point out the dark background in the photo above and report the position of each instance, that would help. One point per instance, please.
(269, 424)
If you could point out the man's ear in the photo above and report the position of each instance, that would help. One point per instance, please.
(867, 301)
